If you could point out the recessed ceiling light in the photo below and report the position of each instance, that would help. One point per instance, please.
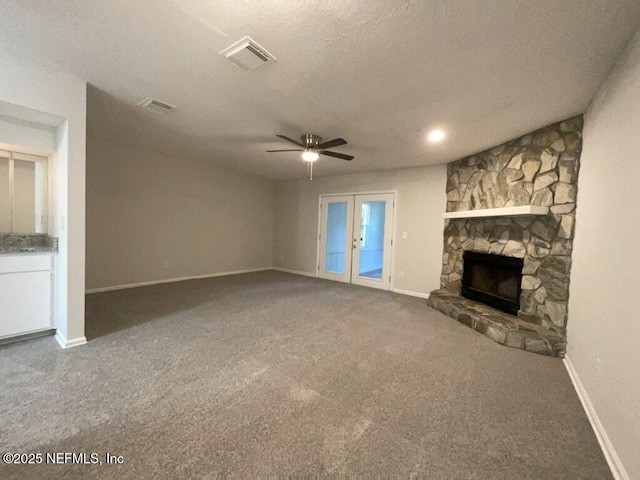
(436, 136)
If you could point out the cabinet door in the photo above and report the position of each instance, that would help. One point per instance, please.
(26, 302)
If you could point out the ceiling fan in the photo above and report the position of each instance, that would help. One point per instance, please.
(312, 147)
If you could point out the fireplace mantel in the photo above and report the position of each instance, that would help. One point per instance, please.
(499, 212)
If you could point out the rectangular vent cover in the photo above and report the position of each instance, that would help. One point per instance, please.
(247, 54)
(156, 105)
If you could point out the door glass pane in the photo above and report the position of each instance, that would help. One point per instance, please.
(24, 192)
(371, 239)
(5, 195)
(336, 237)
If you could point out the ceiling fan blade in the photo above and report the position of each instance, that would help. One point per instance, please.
(336, 142)
(294, 150)
(336, 154)
(290, 140)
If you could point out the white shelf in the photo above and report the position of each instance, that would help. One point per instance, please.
(499, 212)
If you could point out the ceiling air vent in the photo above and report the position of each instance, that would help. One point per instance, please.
(156, 105)
(247, 54)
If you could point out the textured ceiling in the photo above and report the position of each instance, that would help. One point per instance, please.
(378, 73)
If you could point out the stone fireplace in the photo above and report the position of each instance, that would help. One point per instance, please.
(516, 200)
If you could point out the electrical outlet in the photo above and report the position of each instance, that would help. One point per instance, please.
(400, 274)
(404, 235)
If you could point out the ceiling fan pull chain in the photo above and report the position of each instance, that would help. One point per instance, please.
(310, 170)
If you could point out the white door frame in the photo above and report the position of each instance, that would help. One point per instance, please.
(393, 229)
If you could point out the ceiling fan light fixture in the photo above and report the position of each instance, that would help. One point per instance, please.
(310, 156)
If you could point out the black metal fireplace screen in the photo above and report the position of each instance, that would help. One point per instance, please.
(493, 280)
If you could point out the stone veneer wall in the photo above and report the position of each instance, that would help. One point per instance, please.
(537, 169)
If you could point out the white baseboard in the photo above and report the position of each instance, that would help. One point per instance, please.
(410, 293)
(295, 272)
(617, 469)
(172, 280)
(74, 342)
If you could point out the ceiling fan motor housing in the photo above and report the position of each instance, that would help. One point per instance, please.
(311, 141)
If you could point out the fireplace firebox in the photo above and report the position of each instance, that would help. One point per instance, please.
(493, 280)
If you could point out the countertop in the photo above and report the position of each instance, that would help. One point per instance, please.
(12, 243)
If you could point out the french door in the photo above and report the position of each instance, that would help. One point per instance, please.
(355, 239)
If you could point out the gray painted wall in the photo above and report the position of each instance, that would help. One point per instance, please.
(604, 331)
(145, 209)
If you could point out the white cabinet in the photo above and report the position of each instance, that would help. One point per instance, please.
(25, 293)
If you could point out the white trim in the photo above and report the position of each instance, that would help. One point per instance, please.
(41, 332)
(617, 469)
(394, 241)
(74, 342)
(172, 280)
(318, 239)
(367, 192)
(295, 272)
(498, 212)
(410, 293)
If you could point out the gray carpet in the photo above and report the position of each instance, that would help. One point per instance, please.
(271, 373)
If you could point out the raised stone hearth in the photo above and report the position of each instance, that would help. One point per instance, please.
(539, 169)
(498, 326)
